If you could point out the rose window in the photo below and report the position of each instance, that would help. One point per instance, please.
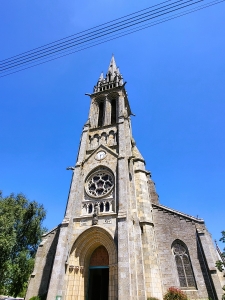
(99, 184)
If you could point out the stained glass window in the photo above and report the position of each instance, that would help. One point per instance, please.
(183, 263)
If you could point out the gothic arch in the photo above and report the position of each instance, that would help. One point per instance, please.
(183, 264)
(78, 263)
(89, 240)
(99, 168)
(99, 99)
(113, 95)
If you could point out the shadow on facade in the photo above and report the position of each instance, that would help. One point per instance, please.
(47, 270)
(205, 270)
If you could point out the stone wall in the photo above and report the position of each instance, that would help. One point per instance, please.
(170, 226)
(40, 277)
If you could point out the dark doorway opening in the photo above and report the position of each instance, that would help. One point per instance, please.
(98, 283)
(100, 114)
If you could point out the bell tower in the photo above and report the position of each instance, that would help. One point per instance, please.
(116, 240)
(106, 244)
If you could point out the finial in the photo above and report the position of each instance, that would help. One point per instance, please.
(101, 77)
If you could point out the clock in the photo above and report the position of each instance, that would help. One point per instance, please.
(100, 155)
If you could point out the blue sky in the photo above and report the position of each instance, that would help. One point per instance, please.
(175, 75)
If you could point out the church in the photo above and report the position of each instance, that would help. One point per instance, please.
(116, 240)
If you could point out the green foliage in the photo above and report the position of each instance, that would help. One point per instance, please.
(175, 294)
(152, 298)
(43, 297)
(20, 233)
(221, 264)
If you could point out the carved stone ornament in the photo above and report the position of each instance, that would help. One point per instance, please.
(76, 268)
(71, 268)
(95, 215)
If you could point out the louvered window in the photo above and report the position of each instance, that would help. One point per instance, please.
(183, 263)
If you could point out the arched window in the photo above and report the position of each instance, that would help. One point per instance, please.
(101, 207)
(113, 111)
(107, 206)
(183, 263)
(100, 113)
(90, 209)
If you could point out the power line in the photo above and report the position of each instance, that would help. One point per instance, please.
(86, 30)
(118, 35)
(95, 34)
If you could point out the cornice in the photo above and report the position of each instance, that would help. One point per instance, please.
(170, 210)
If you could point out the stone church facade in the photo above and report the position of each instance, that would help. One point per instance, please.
(116, 240)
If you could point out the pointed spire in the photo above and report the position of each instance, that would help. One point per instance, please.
(113, 78)
(112, 66)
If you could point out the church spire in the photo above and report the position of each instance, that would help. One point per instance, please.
(113, 78)
(112, 66)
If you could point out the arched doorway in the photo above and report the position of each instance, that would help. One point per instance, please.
(98, 284)
(78, 270)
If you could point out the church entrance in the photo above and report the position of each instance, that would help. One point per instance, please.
(98, 284)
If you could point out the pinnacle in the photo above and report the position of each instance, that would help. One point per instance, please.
(113, 76)
(101, 77)
(112, 66)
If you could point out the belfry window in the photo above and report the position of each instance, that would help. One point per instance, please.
(100, 114)
(183, 263)
(113, 111)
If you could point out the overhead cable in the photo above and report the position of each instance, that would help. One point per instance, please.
(91, 43)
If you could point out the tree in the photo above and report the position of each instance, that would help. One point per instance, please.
(220, 264)
(20, 233)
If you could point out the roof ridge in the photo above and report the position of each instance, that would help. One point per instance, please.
(179, 213)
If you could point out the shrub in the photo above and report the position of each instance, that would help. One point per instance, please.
(152, 298)
(43, 297)
(175, 294)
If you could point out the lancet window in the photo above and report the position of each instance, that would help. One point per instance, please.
(183, 263)
(100, 113)
(113, 111)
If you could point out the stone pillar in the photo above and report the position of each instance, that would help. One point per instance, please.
(152, 271)
(151, 264)
(137, 260)
(206, 242)
(93, 114)
(107, 116)
(124, 274)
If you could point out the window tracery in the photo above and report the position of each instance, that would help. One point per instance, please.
(99, 184)
(183, 263)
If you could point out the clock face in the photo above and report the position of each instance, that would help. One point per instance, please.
(100, 155)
